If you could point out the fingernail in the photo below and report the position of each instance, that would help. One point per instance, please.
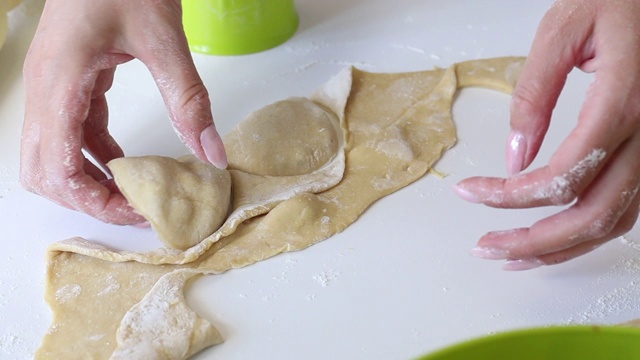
(489, 253)
(516, 151)
(213, 147)
(142, 225)
(466, 194)
(522, 264)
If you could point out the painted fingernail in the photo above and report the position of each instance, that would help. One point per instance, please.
(142, 225)
(489, 253)
(213, 147)
(516, 151)
(466, 194)
(522, 264)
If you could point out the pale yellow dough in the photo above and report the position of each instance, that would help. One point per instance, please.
(4, 27)
(11, 4)
(5, 6)
(264, 144)
(397, 126)
(184, 200)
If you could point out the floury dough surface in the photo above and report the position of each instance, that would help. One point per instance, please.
(389, 128)
(184, 200)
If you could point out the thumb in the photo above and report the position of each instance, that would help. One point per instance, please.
(186, 98)
(558, 46)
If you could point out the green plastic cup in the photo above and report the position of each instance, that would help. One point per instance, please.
(236, 27)
(550, 343)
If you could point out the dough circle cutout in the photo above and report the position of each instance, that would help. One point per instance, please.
(290, 137)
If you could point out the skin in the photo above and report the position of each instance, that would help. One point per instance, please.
(596, 169)
(66, 109)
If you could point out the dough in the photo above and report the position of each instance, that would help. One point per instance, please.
(4, 27)
(397, 125)
(5, 6)
(8, 5)
(184, 200)
(162, 315)
(257, 145)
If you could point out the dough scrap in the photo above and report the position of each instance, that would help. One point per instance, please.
(184, 200)
(397, 125)
(162, 326)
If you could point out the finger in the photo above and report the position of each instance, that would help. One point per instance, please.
(78, 186)
(602, 211)
(561, 43)
(94, 172)
(541, 187)
(58, 91)
(183, 91)
(62, 164)
(623, 226)
(97, 140)
(604, 123)
(104, 81)
(626, 223)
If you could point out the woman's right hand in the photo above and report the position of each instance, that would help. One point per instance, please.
(69, 68)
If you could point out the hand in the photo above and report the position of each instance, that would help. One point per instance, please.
(69, 68)
(596, 169)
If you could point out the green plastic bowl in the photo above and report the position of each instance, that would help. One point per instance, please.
(235, 27)
(549, 343)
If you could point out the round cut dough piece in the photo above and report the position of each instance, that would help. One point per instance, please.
(184, 200)
(291, 137)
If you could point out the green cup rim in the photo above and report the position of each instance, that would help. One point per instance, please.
(257, 25)
(468, 346)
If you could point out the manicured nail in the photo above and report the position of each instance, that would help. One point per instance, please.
(143, 225)
(522, 264)
(213, 147)
(516, 151)
(489, 253)
(466, 194)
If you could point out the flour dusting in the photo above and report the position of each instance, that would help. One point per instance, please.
(68, 292)
(560, 187)
(161, 325)
(326, 277)
(112, 285)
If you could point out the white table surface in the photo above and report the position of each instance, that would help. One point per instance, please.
(397, 283)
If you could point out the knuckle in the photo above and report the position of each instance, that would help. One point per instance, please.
(606, 225)
(193, 106)
(626, 223)
(194, 95)
(600, 229)
(29, 183)
(30, 180)
(522, 99)
(565, 198)
(560, 192)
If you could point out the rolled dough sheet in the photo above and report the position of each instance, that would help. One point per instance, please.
(396, 127)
